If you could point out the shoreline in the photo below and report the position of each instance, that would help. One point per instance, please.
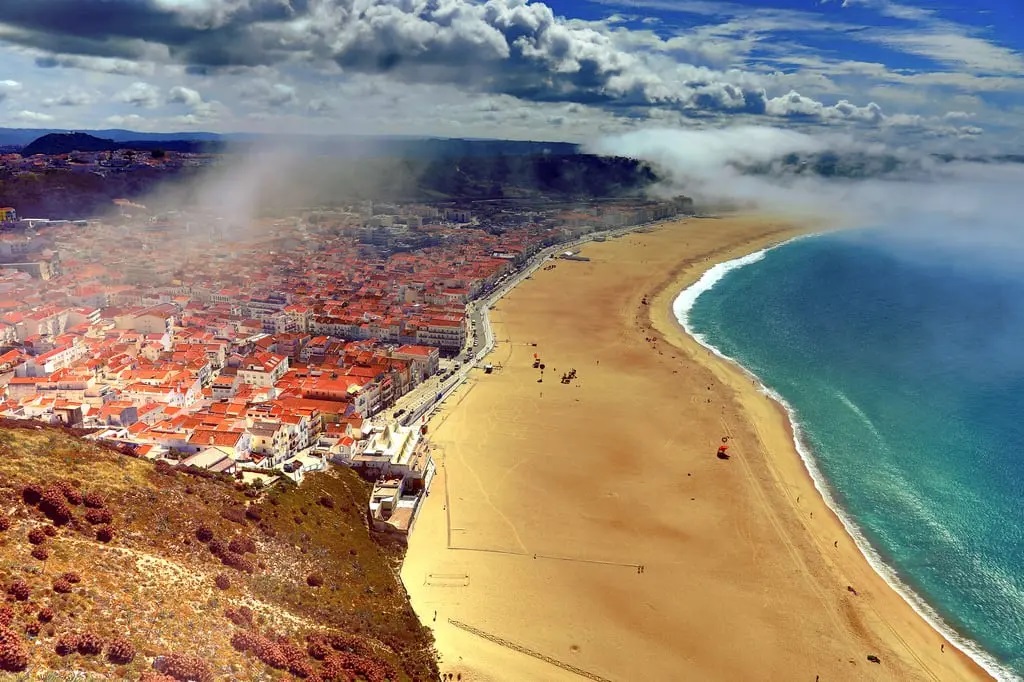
(961, 643)
(570, 558)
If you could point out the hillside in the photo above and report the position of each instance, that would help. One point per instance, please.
(65, 143)
(118, 568)
(59, 193)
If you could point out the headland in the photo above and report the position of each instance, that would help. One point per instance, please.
(588, 527)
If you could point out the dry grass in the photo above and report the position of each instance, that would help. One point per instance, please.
(154, 583)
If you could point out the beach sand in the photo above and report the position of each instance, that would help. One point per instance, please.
(549, 496)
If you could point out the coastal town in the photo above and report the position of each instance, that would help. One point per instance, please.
(269, 347)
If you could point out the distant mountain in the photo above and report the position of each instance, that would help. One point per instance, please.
(66, 143)
(19, 137)
(343, 146)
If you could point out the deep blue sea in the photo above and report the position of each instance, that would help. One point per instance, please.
(905, 373)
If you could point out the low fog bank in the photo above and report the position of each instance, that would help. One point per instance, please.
(252, 180)
(924, 206)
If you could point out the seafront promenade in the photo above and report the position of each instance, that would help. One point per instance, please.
(420, 407)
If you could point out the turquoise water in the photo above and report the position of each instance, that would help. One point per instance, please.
(905, 373)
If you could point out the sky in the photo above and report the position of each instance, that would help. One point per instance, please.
(943, 74)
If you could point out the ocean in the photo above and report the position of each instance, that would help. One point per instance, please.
(903, 372)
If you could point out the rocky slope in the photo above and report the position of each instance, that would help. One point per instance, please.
(120, 569)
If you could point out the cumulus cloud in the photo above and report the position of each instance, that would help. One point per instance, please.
(512, 47)
(270, 94)
(187, 96)
(140, 94)
(795, 104)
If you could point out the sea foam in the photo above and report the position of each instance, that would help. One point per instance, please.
(681, 307)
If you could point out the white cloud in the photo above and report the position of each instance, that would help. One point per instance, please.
(956, 50)
(795, 104)
(187, 96)
(74, 98)
(140, 94)
(7, 87)
(33, 117)
(129, 121)
(113, 66)
(270, 94)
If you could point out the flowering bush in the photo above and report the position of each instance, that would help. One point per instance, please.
(243, 640)
(71, 577)
(204, 533)
(222, 581)
(61, 585)
(242, 616)
(90, 644)
(98, 516)
(242, 545)
(104, 533)
(6, 615)
(120, 651)
(184, 667)
(32, 494)
(314, 580)
(318, 648)
(19, 590)
(40, 553)
(45, 615)
(94, 500)
(32, 629)
(238, 562)
(49, 531)
(5, 522)
(13, 652)
(54, 505)
(363, 667)
(269, 652)
(66, 644)
(37, 536)
(70, 492)
(217, 547)
(350, 643)
(300, 668)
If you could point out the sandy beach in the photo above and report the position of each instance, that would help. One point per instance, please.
(587, 530)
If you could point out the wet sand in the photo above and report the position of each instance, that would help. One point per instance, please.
(550, 498)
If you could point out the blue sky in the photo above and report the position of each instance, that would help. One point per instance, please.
(940, 73)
